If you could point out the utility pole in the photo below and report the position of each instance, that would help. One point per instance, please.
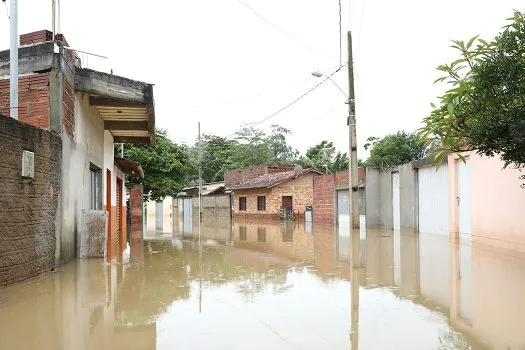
(13, 61)
(354, 186)
(354, 203)
(200, 220)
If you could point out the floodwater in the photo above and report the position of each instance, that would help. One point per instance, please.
(262, 285)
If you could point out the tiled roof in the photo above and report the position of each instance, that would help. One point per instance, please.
(269, 180)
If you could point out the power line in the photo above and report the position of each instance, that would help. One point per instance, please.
(340, 36)
(245, 98)
(296, 100)
(282, 30)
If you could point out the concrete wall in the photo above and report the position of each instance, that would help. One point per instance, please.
(408, 195)
(378, 196)
(29, 208)
(88, 146)
(218, 206)
(497, 202)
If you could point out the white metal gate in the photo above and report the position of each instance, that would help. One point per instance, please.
(396, 202)
(433, 207)
(187, 204)
(159, 216)
(343, 209)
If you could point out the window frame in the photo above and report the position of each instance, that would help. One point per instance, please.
(259, 206)
(243, 203)
(95, 187)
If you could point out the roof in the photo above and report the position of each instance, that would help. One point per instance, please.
(126, 106)
(129, 167)
(271, 180)
(207, 190)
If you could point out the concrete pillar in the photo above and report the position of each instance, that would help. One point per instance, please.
(137, 225)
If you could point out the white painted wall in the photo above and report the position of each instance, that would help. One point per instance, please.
(86, 146)
(396, 202)
(433, 205)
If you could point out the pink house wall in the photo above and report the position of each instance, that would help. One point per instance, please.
(497, 202)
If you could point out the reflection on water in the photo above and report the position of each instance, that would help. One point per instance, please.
(278, 285)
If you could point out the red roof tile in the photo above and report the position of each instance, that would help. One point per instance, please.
(269, 180)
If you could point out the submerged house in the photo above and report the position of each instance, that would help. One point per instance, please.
(271, 191)
(61, 158)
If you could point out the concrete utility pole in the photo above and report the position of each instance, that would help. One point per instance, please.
(354, 204)
(13, 63)
(354, 186)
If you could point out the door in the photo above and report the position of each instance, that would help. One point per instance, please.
(159, 216)
(120, 226)
(287, 205)
(433, 206)
(463, 170)
(187, 214)
(343, 210)
(396, 202)
(110, 240)
(465, 240)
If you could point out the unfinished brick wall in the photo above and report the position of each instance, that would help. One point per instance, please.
(33, 99)
(300, 189)
(324, 199)
(68, 106)
(28, 207)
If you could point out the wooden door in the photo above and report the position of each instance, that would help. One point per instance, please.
(288, 203)
(109, 243)
(119, 228)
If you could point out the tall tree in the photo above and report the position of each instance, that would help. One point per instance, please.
(251, 149)
(319, 156)
(167, 166)
(395, 149)
(484, 110)
(282, 152)
(216, 151)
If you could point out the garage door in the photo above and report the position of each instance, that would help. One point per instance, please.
(433, 200)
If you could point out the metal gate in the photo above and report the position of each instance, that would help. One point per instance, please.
(343, 207)
(433, 200)
(396, 202)
(159, 216)
(187, 214)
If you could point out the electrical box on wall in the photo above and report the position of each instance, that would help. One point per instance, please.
(28, 164)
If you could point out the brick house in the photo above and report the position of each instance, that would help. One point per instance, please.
(269, 191)
(89, 111)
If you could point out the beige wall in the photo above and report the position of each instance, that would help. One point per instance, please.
(497, 202)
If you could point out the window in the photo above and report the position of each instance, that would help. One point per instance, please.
(261, 234)
(95, 188)
(261, 203)
(242, 203)
(243, 233)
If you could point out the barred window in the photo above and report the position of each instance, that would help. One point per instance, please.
(261, 203)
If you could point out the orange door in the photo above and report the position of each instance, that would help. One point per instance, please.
(109, 243)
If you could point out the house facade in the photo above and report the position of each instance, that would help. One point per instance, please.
(89, 111)
(266, 192)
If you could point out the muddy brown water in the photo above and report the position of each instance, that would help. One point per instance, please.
(269, 285)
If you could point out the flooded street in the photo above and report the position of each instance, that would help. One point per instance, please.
(270, 285)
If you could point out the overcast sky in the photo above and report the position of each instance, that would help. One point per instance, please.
(220, 63)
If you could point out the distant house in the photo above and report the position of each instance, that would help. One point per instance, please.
(271, 191)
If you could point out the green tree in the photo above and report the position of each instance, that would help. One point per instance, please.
(216, 151)
(167, 166)
(339, 163)
(320, 156)
(282, 152)
(251, 149)
(484, 110)
(395, 149)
